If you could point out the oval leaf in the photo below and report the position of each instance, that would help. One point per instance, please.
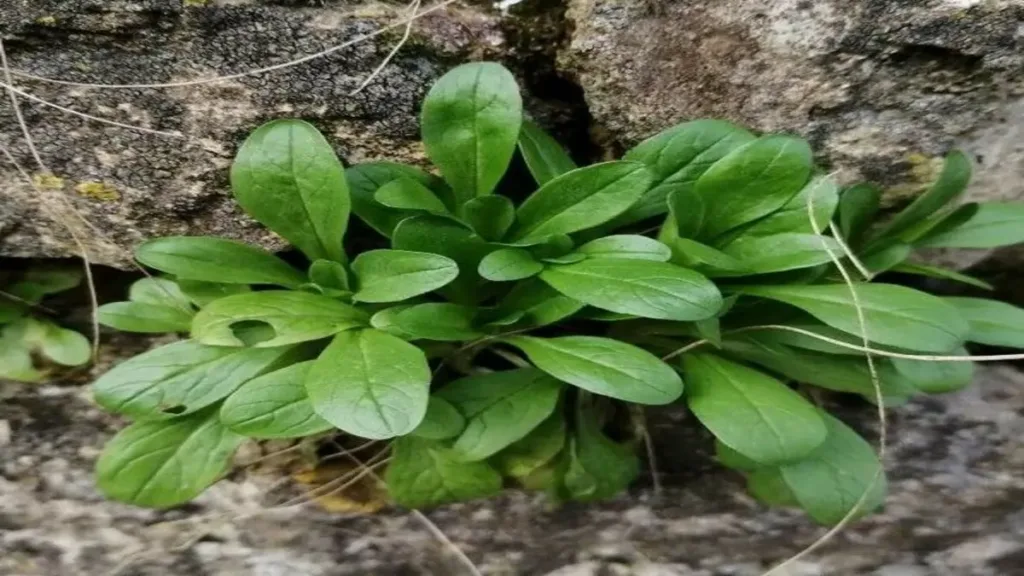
(425, 473)
(628, 246)
(894, 315)
(274, 405)
(409, 194)
(677, 157)
(753, 181)
(991, 322)
(396, 275)
(500, 408)
(831, 481)
(779, 252)
(936, 377)
(167, 463)
(509, 264)
(581, 199)
(180, 378)
(370, 384)
(441, 422)
(642, 288)
(365, 179)
(821, 194)
(141, 317)
(544, 156)
(995, 224)
(439, 321)
(489, 216)
(287, 176)
(160, 291)
(858, 206)
(751, 412)
(603, 366)
(294, 317)
(217, 260)
(453, 240)
(470, 124)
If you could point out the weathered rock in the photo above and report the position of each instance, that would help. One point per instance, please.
(957, 482)
(132, 186)
(880, 87)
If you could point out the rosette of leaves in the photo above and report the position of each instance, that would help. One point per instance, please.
(502, 339)
(32, 344)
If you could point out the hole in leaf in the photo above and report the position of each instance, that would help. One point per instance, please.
(252, 332)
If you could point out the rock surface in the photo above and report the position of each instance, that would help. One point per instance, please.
(132, 186)
(955, 509)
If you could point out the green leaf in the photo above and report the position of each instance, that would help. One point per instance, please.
(396, 275)
(489, 216)
(751, 412)
(544, 156)
(858, 206)
(180, 378)
(887, 258)
(409, 194)
(509, 264)
(425, 473)
(294, 317)
(598, 467)
(937, 377)
(538, 448)
(843, 373)
(571, 258)
(329, 274)
(894, 315)
(677, 157)
(202, 293)
(581, 199)
(370, 384)
(287, 176)
(643, 288)
(166, 463)
(140, 317)
(45, 280)
(753, 181)
(365, 179)
(732, 459)
(470, 124)
(63, 346)
(628, 246)
(441, 422)
(995, 224)
(941, 273)
(941, 222)
(991, 322)
(794, 217)
(274, 405)
(779, 252)
(439, 321)
(447, 238)
(500, 408)
(708, 260)
(686, 215)
(603, 366)
(956, 174)
(832, 480)
(16, 356)
(540, 304)
(161, 292)
(216, 260)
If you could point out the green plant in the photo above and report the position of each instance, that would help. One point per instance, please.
(32, 346)
(494, 343)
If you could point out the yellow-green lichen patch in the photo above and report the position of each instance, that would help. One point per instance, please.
(48, 181)
(98, 191)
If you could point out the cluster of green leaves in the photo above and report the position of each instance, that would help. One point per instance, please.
(31, 344)
(498, 340)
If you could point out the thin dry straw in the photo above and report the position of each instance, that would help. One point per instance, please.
(282, 65)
